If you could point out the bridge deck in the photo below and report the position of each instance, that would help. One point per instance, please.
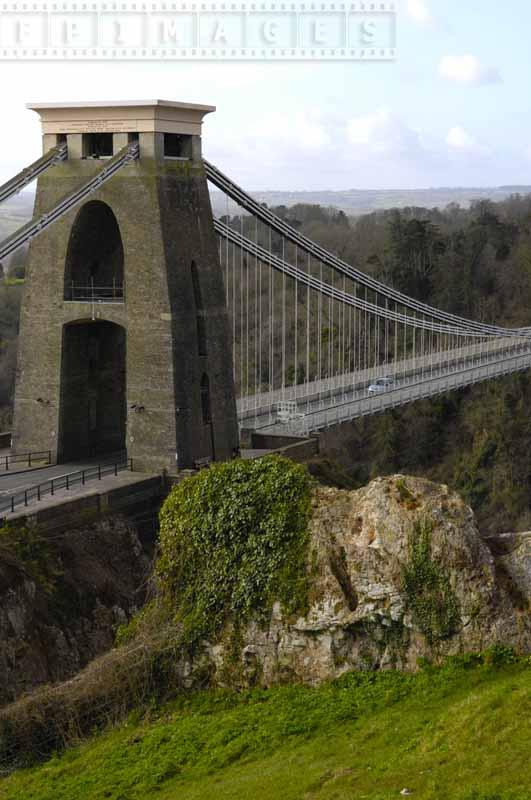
(333, 387)
(16, 482)
(61, 496)
(357, 403)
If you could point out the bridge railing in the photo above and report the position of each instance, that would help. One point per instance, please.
(335, 389)
(67, 481)
(319, 419)
(94, 294)
(36, 458)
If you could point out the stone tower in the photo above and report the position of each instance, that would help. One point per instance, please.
(124, 339)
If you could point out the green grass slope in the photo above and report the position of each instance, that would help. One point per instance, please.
(461, 732)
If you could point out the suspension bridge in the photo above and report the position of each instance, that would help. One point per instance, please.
(316, 342)
(311, 340)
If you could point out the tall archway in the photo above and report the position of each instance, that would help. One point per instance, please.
(95, 255)
(93, 390)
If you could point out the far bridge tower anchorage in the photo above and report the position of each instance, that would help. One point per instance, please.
(124, 339)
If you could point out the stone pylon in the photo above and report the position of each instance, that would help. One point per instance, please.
(124, 339)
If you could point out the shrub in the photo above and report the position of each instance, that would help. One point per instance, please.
(52, 717)
(33, 551)
(233, 539)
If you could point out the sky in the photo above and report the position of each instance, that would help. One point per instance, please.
(453, 109)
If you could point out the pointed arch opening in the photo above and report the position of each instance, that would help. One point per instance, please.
(94, 268)
(92, 418)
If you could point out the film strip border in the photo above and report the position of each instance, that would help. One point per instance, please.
(192, 31)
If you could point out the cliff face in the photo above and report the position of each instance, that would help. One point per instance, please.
(399, 571)
(512, 553)
(49, 630)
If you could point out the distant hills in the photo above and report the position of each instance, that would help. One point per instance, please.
(363, 201)
(354, 202)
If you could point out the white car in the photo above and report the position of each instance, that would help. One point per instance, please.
(381, 385)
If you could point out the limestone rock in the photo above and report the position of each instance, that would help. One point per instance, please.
(360, 616)
(513, 562)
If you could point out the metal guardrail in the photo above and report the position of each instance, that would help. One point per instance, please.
(253, 406)
(67, 481)
(26, 459)
(319, 419)
(94, 294)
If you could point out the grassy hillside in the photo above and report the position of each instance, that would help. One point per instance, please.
(461, 732)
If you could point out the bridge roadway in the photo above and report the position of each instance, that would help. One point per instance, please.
(15, 483)
(330, 402)
(451, 359)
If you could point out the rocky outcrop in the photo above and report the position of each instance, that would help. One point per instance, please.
(399, 571)
(512, 553)
(49, 630)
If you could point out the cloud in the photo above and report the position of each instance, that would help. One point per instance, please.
(419, 11)
(311, 134)
(280, 132)
(276, 146)
(460, 142)
(376, 149)
(467, 69)
(382, 133)
(385, 136)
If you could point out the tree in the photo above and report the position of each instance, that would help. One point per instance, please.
(415, 247)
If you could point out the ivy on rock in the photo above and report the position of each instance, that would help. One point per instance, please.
(429, 595)
(234, 539)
